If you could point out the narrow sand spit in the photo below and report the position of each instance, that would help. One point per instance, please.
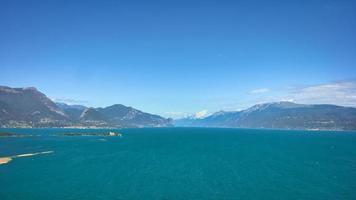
(5, 160)
(31, 154)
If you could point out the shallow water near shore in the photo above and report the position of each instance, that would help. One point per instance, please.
(180, 163)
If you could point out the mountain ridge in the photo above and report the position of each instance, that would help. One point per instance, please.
(281, 115)
(28, 107)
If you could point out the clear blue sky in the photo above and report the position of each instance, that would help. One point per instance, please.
(179, 57)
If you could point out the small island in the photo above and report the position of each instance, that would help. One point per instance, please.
(105, 134)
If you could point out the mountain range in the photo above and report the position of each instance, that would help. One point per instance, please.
(28, 107)
(280, 115)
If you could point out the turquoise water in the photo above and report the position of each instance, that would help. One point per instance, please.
(181, 163)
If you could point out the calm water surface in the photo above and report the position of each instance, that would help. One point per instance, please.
(180, 163)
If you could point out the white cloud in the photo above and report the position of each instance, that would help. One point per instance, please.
(69, 101)
(287, 99)
(339, 93)
(259, 91)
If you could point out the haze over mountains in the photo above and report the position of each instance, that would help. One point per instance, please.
(28, 107)
(280, 115)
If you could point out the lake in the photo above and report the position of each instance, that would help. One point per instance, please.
(179, 163)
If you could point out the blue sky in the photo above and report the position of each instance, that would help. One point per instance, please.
(180, 57)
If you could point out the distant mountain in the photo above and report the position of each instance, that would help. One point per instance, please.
(92, 117)
(281, 115)
(65, 106)
(72, 111)
(124, 116)
(27, 107)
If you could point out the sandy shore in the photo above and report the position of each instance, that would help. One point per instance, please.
(5, 160)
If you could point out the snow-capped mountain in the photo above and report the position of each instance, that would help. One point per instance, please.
(281, 115)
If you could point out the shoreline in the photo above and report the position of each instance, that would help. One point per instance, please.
(5, 160)
(163, 127)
